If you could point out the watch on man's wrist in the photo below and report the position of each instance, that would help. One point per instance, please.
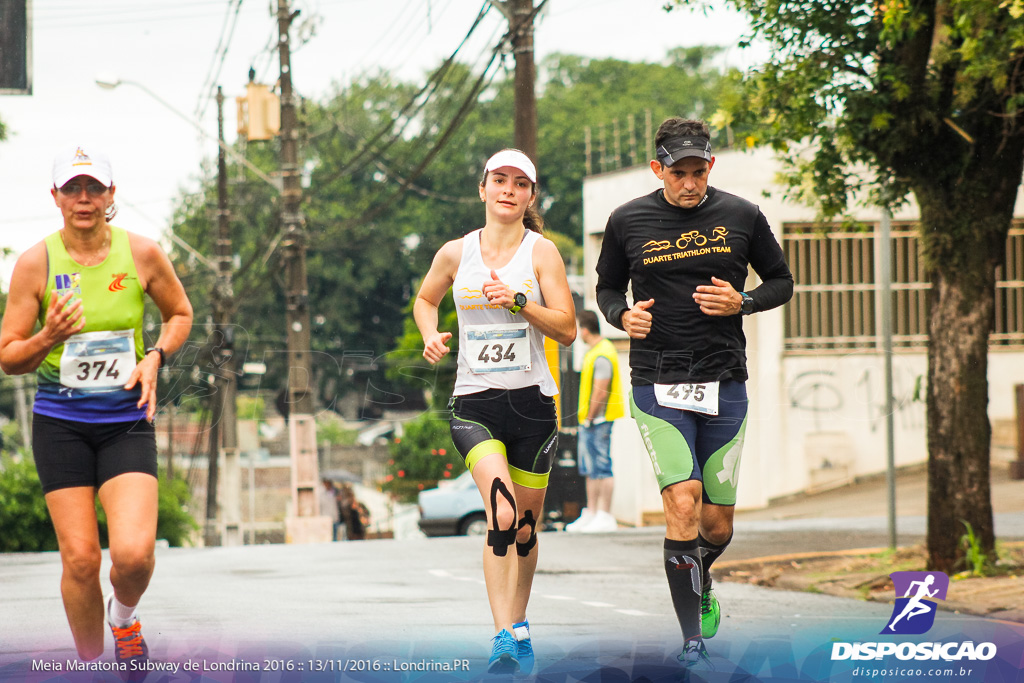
(163, 358)
(746, 304)
(518, 301)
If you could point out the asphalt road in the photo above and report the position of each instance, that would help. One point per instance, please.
(600, 611)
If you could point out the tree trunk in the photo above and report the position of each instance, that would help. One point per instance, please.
(959, 433)
(966, 210)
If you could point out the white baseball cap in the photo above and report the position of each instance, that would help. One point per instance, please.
(515, 159)
(81, 160)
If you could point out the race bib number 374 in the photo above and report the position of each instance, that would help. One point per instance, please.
(698, 398)
(498, 348)
(98, 361)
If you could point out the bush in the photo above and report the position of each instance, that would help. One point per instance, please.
(330, 430)
(421, 457)
(23, 515)
(26, 521)
(250, 408)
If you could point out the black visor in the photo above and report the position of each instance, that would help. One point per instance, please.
(675, 149)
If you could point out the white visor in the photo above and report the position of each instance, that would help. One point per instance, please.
(515, 159)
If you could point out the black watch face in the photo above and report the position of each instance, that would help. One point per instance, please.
(520, 299)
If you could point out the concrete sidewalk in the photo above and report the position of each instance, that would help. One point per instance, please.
(868, 497)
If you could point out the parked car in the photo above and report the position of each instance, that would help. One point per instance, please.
(453, 509)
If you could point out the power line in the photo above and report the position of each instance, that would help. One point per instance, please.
(213, 73)
(470, 101)
(388, 202)
(431, 85)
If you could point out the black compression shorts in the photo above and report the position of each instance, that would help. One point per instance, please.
(519, 423)
(70, 453)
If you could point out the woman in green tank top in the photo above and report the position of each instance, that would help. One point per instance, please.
(74, 316)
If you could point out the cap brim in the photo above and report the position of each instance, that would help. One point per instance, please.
(670, 159)
(62, 178)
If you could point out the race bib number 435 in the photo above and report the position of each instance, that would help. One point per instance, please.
(98, 361)
(698, 398)
(498, 348)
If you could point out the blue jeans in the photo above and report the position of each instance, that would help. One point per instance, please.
(595, 445)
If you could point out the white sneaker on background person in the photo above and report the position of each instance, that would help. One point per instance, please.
(602, 521)
(586, 515)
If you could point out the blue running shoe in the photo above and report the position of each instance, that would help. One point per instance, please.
(522, 633)
(504, 654)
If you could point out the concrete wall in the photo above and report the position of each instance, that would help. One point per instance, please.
(816, 420)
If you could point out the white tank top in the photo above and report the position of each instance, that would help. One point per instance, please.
(473, 309)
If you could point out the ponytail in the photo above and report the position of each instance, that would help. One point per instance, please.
(533, 221)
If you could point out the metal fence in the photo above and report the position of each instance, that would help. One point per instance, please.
(834, 300)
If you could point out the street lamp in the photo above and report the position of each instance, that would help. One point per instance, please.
(110, 82)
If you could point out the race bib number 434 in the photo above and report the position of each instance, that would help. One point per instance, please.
(698, 398)
(98, 361)
(498, 348)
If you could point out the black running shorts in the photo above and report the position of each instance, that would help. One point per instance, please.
(70, 453)
(519, 423)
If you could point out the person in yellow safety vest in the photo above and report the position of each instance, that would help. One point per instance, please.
(601, 403)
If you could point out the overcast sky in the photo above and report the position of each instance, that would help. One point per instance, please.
(181, 51)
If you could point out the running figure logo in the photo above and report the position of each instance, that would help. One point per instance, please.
(916, 595)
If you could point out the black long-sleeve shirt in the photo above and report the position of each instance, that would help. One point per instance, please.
(666, 251)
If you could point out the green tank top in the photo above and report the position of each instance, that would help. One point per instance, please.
(113, 301)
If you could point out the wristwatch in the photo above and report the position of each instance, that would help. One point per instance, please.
(163, 358)
(747, 304)
(518, 301)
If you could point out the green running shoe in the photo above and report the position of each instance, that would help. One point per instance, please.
(710, 613)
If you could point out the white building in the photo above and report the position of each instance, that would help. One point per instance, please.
(816, 377)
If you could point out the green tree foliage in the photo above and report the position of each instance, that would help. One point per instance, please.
(421, 457)
(25, 519)
(23, 514)
(928, 95)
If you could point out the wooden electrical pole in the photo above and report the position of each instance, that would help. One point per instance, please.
(304, 524)
(519, 14)
(224, 358)
(293, 245)
(224, 425)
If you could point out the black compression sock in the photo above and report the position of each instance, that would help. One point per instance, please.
(709, 552)
(683, 569)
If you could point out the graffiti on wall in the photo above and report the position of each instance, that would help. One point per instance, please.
(824, 396)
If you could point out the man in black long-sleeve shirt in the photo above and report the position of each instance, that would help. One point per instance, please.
(685, 250)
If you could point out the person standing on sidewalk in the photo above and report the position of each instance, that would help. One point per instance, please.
(92, 432)
(601, 403)
(510, 292)
(685, 250)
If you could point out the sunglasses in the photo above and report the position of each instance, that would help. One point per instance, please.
(93, 189)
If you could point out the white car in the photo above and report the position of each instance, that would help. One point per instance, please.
(453, 509)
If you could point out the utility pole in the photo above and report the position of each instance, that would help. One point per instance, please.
(224, 357)
(224, 423)
(305, 523)
(519, 14)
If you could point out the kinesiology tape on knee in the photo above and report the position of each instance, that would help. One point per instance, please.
(501, 539)
(524, 548)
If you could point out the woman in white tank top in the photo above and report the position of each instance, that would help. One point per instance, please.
(510, 292)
